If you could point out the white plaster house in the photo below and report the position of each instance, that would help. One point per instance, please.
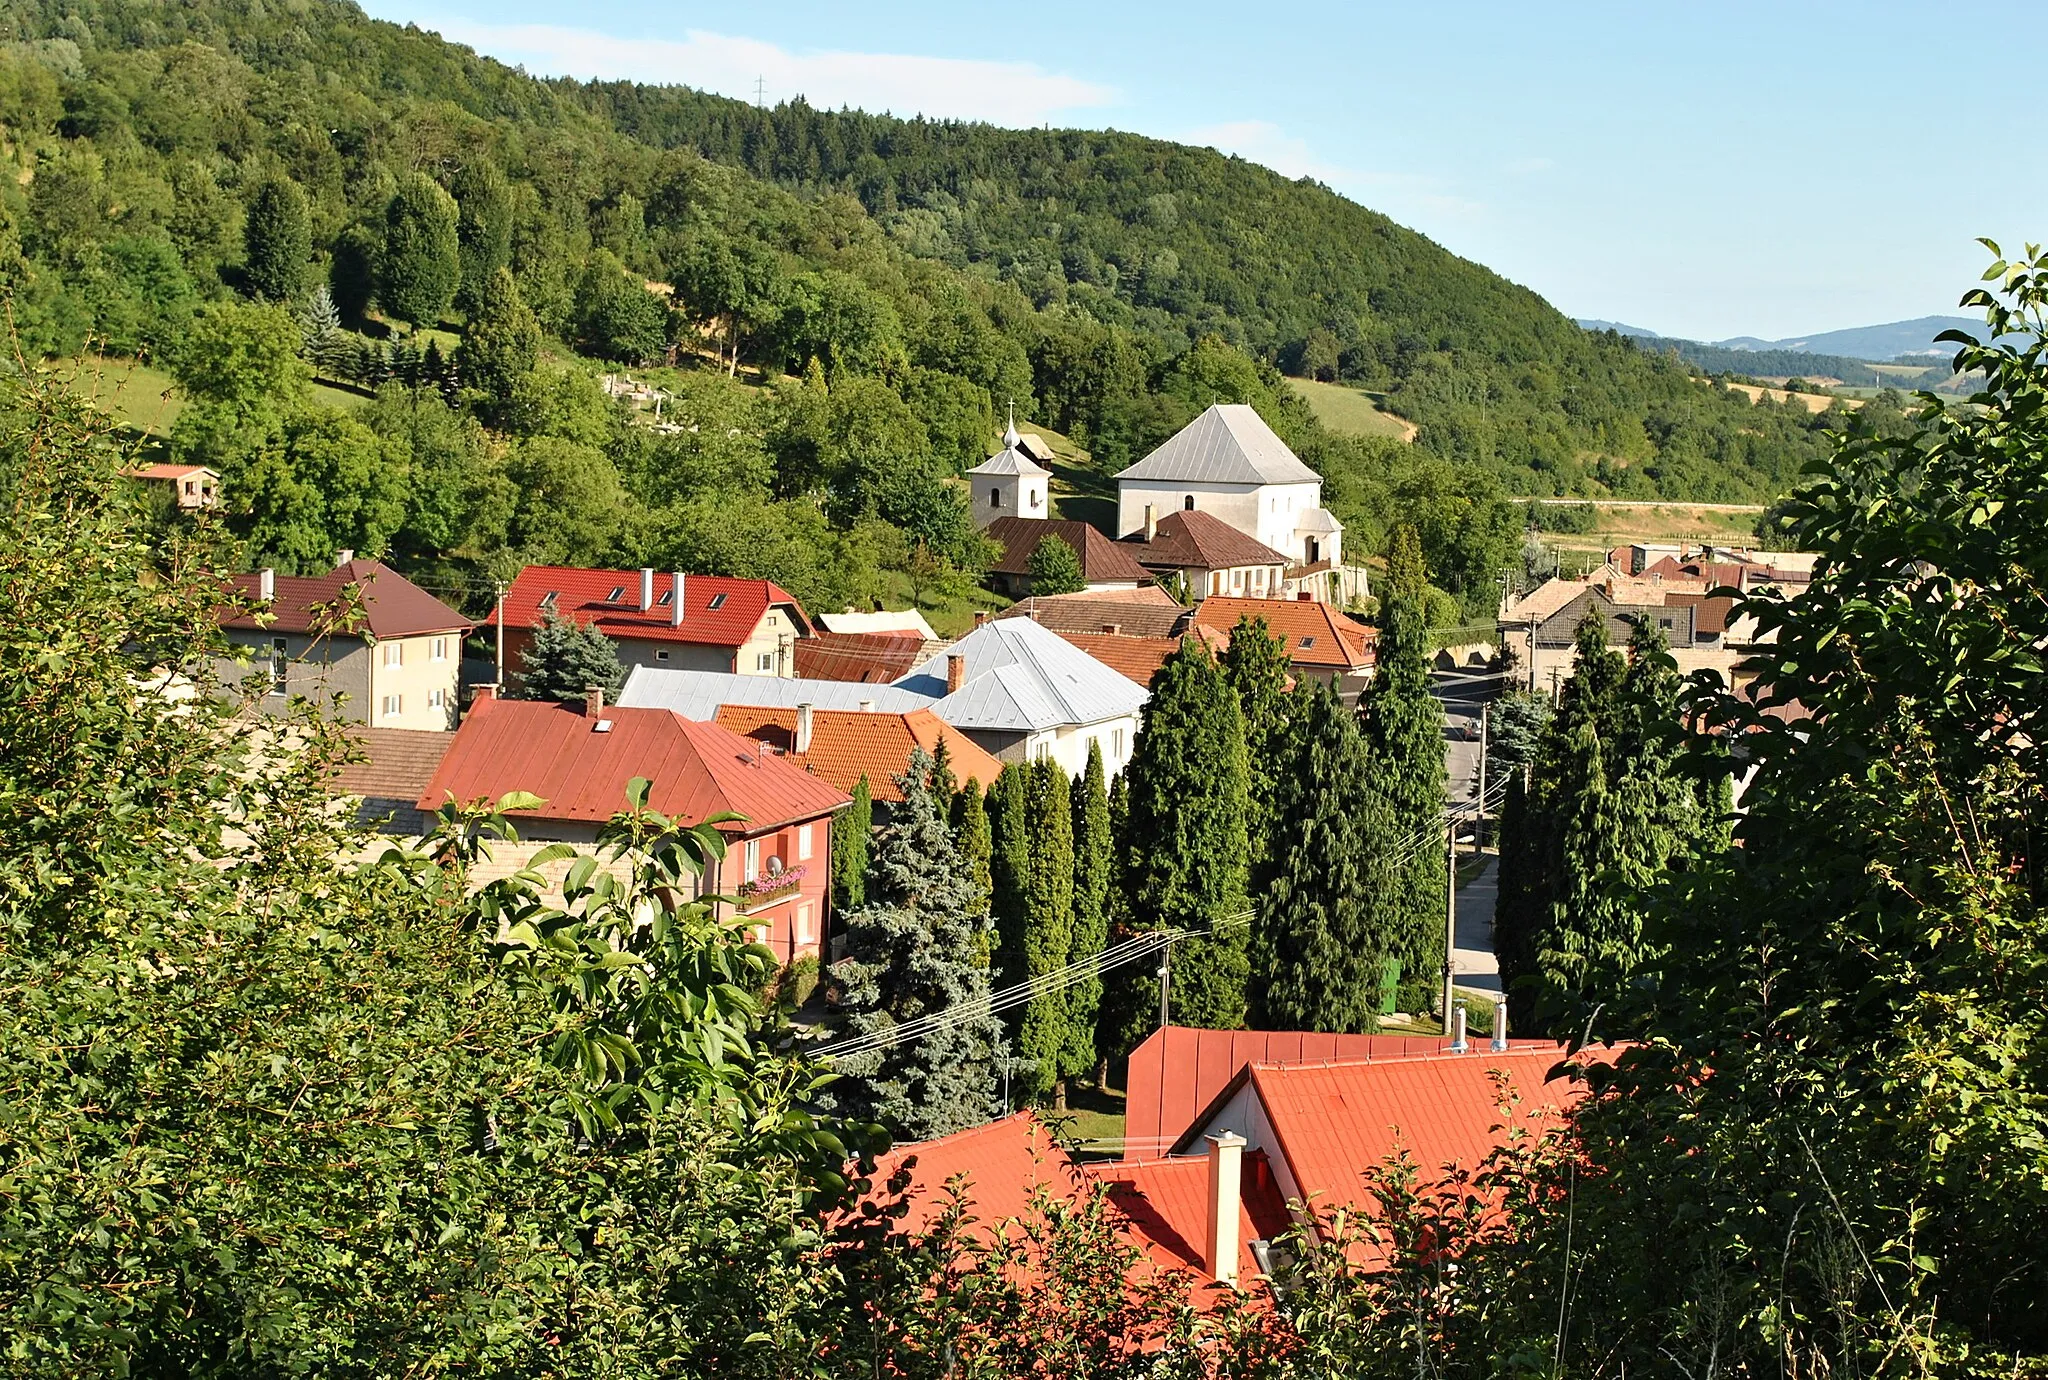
(1229, 463)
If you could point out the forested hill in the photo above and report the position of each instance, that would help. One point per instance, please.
(885, 284)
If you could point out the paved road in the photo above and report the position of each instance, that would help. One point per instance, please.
(1461, 693)
(1472, 960)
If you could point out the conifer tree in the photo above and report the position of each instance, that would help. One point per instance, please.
(1404, 728)
(502, 343)
(1091, 913)
(850, 836)
(483, 227)
(565, 661)
(1008, 872)
(1113, 1015)
(419, 265)
(1329, 914)
(1255, 664)
(1042, 1035)
(911, 953)
(1184, 847)
(1055, 568)
(327, 347)
(277, 240)
(971, 835)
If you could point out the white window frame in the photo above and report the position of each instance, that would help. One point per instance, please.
(661, 655)
(750, 860)
(394, 654)
(280, 662)
(437, 699)
(803, 843)
(764, 661)
(394, 705)
(806, 930)
(437, 650)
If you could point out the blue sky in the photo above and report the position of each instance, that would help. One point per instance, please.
(1703, 170)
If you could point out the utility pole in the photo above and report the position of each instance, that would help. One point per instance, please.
(1450, 918)
(1165, 981)
(1479, 845)
(501, 635)
(760, 93)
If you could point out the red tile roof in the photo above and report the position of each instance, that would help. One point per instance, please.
(1139, 658)
(1167, 1202)
(1317, 635)
(1001, 1164)
(1177, 1071)
(869, 658)
(847, 744)
(167, 471)
(397, 764)
(559, 753)
(1102, 559)
(392, 606)
(1185, 539)
(586, 597)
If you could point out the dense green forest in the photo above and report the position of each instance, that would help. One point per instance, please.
(255, 196)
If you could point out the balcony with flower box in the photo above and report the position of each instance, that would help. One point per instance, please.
(773, 887)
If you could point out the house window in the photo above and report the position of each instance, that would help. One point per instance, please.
(1116, 742)
(190, 488)
(547, 601)
(437, 699)
(803, 843)
(661, 656)
(995, 498)
(1037, 499)
(1307, 642)
(393, 704)
(1188, 503)
(765, 661)
(805, 934)
(1664, 623)
(717, 602)
(437, 650)
(751, 865)
(394, 654)
(618, 593)
(759, 934)
(1237, 579)
(279, 661)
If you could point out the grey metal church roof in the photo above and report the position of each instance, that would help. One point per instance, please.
(698, 694)
(1228, 444)
(1021, 677)
(1010, 460)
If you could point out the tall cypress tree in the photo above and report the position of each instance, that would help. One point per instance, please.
(1329, 914)
(1042, 1035)
(1184, 847)
(1404, 725)
(502, 343)
(970, 833)
(1091, 914)
(1113, 1011)
(850, 837)
(1009, 861)
(277, 240)
(483, 227)
(911, 953)
(1255, 664)
(419, 265)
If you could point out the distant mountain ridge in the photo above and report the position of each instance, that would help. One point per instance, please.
(1877, 344)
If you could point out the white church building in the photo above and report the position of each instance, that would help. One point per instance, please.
(1230, 464)
(1012, 482)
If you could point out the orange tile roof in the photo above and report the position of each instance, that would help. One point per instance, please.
(561, 754)
(1317, 635)
(167, 471)
(1167, 1203)
(1139, 658)
(847, 744)
(1001, 1164)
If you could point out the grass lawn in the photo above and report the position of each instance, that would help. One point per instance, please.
(145, 399)
(1094, 1118)
(1351, 412)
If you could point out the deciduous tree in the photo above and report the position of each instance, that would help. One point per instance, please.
(1055, 568)
(277, 241)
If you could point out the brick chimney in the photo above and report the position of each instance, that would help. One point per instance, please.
(1226, 1174)
(802, 741)
(266, 584)
(344, 556)
(675, 609)
(481, 693)
(593, 701)
(1151, 524)
(956, 672)
(980, 617)
(1305, 597)
(646, 588)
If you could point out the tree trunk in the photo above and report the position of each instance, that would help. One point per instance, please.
(1102, 1074)
(1059, 1094)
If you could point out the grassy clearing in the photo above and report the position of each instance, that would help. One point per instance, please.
(1093, 1117)
(1351, 412)
(145, 399)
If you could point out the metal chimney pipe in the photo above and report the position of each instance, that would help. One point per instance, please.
(646, 588)
(1500, 1027)
(1458, 1042)
(675, 611)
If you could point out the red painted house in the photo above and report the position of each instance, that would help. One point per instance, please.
(672, 620)
(579, 758)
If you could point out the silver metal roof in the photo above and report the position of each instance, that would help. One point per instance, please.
(1228, 444)
(698, 694)
(1317, 520)
(1021, 677)
(1010, 460)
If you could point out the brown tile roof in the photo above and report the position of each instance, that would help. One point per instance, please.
(869, 658)
(1139, 658)
(1192, 540)
(1317, 636)
(392, 606)
(397, 763)
(847, 744)
(1102, 559)
(1064, 613)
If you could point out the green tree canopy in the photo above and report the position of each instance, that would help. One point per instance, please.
(1255, 664)
(1055, 568)
(1094, 851)
(419, 265)
(565, 660)
(1043, 1036)
(277, 240)
(852, 835)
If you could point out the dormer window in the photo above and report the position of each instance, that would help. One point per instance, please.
(717, 602)
(1307, 642)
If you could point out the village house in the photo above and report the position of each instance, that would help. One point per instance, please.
(688, 622)
(872, 658)
(1207, 555)
(1148, 612)
(1230, 464)
(578, 758)
(841, 746)
(700, 695)
(1319, 641)
(1025, 694)
(1138, 659)
(362, 641)
(191, 486)
(1106, 566)
(1702, 629)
